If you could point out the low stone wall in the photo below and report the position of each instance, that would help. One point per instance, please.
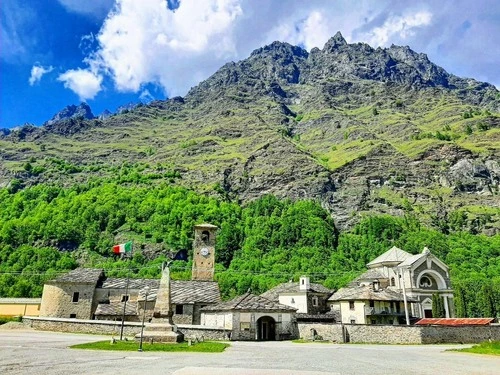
(327, 331)
(207, 333)
(400, 334)
(106, 327)
(386, 334)
(99, 327)
(462, 334)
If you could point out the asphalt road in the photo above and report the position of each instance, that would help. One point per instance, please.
(34, 352)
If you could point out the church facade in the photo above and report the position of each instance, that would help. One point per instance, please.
(395, 281)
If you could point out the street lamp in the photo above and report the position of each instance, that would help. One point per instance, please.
(146, 291)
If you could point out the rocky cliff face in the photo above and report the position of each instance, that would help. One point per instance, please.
(81, 111)
(363, 130)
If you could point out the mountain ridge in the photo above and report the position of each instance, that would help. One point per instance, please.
(360, 129)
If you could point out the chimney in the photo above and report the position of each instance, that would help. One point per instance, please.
(304, 283)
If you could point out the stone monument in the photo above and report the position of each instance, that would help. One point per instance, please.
(161, 328)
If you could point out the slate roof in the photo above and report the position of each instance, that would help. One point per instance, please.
(366, 293)
(249, 302)
(116, 309)
(80, 276)
(293, 287)
(121, 283)
(393, 255)
(372, 274)
(187, 291)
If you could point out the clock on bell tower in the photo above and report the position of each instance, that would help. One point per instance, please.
(204, 252)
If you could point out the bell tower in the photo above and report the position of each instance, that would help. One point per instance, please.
(204, 252)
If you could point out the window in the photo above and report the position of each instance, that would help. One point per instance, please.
(425, 282)
(179, 309)
(76, 296)
(353, 321)
(351, 305)
(372, 303)
(374, 321)
(315, 301)
(72, 316)
(393, 281)
(244, 326)
(205, 236)
(125, 298)
(292, 301)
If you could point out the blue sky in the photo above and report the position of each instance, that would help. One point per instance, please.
(111, 52)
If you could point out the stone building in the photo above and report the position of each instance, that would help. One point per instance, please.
(310, 299)
(87, 293)
(377, 296)
(251, 317)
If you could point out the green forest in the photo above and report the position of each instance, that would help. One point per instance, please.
(48, 229)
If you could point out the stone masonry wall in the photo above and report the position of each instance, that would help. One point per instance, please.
(102, 327)
(463, 334)
(330, 332)
(386, 334)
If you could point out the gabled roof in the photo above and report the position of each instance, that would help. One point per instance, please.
(367, 293)
(419, 258)
(80, 276)
(455, 321)
(186, 292)
(249, 302)
(293, 287)
(393, 256)
(116, 309)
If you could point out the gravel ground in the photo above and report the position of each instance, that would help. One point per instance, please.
(35, 352)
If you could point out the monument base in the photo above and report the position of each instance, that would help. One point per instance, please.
(160, 332)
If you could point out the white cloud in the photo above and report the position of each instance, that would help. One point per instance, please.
(85, 83)
(37, 71)
(402, 27)
(144, 41)
(97, 8)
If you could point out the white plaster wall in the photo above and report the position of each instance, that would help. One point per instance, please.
(217, 319)
(300, 301)
(358, 313)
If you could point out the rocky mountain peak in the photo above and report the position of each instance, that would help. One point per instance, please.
(72, 111)
(334, 42)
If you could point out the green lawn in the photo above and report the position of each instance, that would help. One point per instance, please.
(491, 348)
(206, 347)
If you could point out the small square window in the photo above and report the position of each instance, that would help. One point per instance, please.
(179, 309)
(351, 305)
(353, 321)
(72, 316)
(76, 296)
(125, 298)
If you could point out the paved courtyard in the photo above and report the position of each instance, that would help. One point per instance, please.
(34, 352)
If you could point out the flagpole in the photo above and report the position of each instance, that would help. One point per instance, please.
(126, 298)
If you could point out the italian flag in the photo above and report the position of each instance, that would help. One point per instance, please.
(123, 248)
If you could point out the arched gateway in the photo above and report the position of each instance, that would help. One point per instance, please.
(266, 329)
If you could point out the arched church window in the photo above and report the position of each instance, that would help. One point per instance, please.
(425, 282)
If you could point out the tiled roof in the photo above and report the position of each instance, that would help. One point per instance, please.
(455, 321)
(366, 293)
(116, 309)
(187, 291)
(393, 255)
(293, 287)
(81, 276)
(249, 301)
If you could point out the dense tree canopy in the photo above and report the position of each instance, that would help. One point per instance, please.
(47, 229)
